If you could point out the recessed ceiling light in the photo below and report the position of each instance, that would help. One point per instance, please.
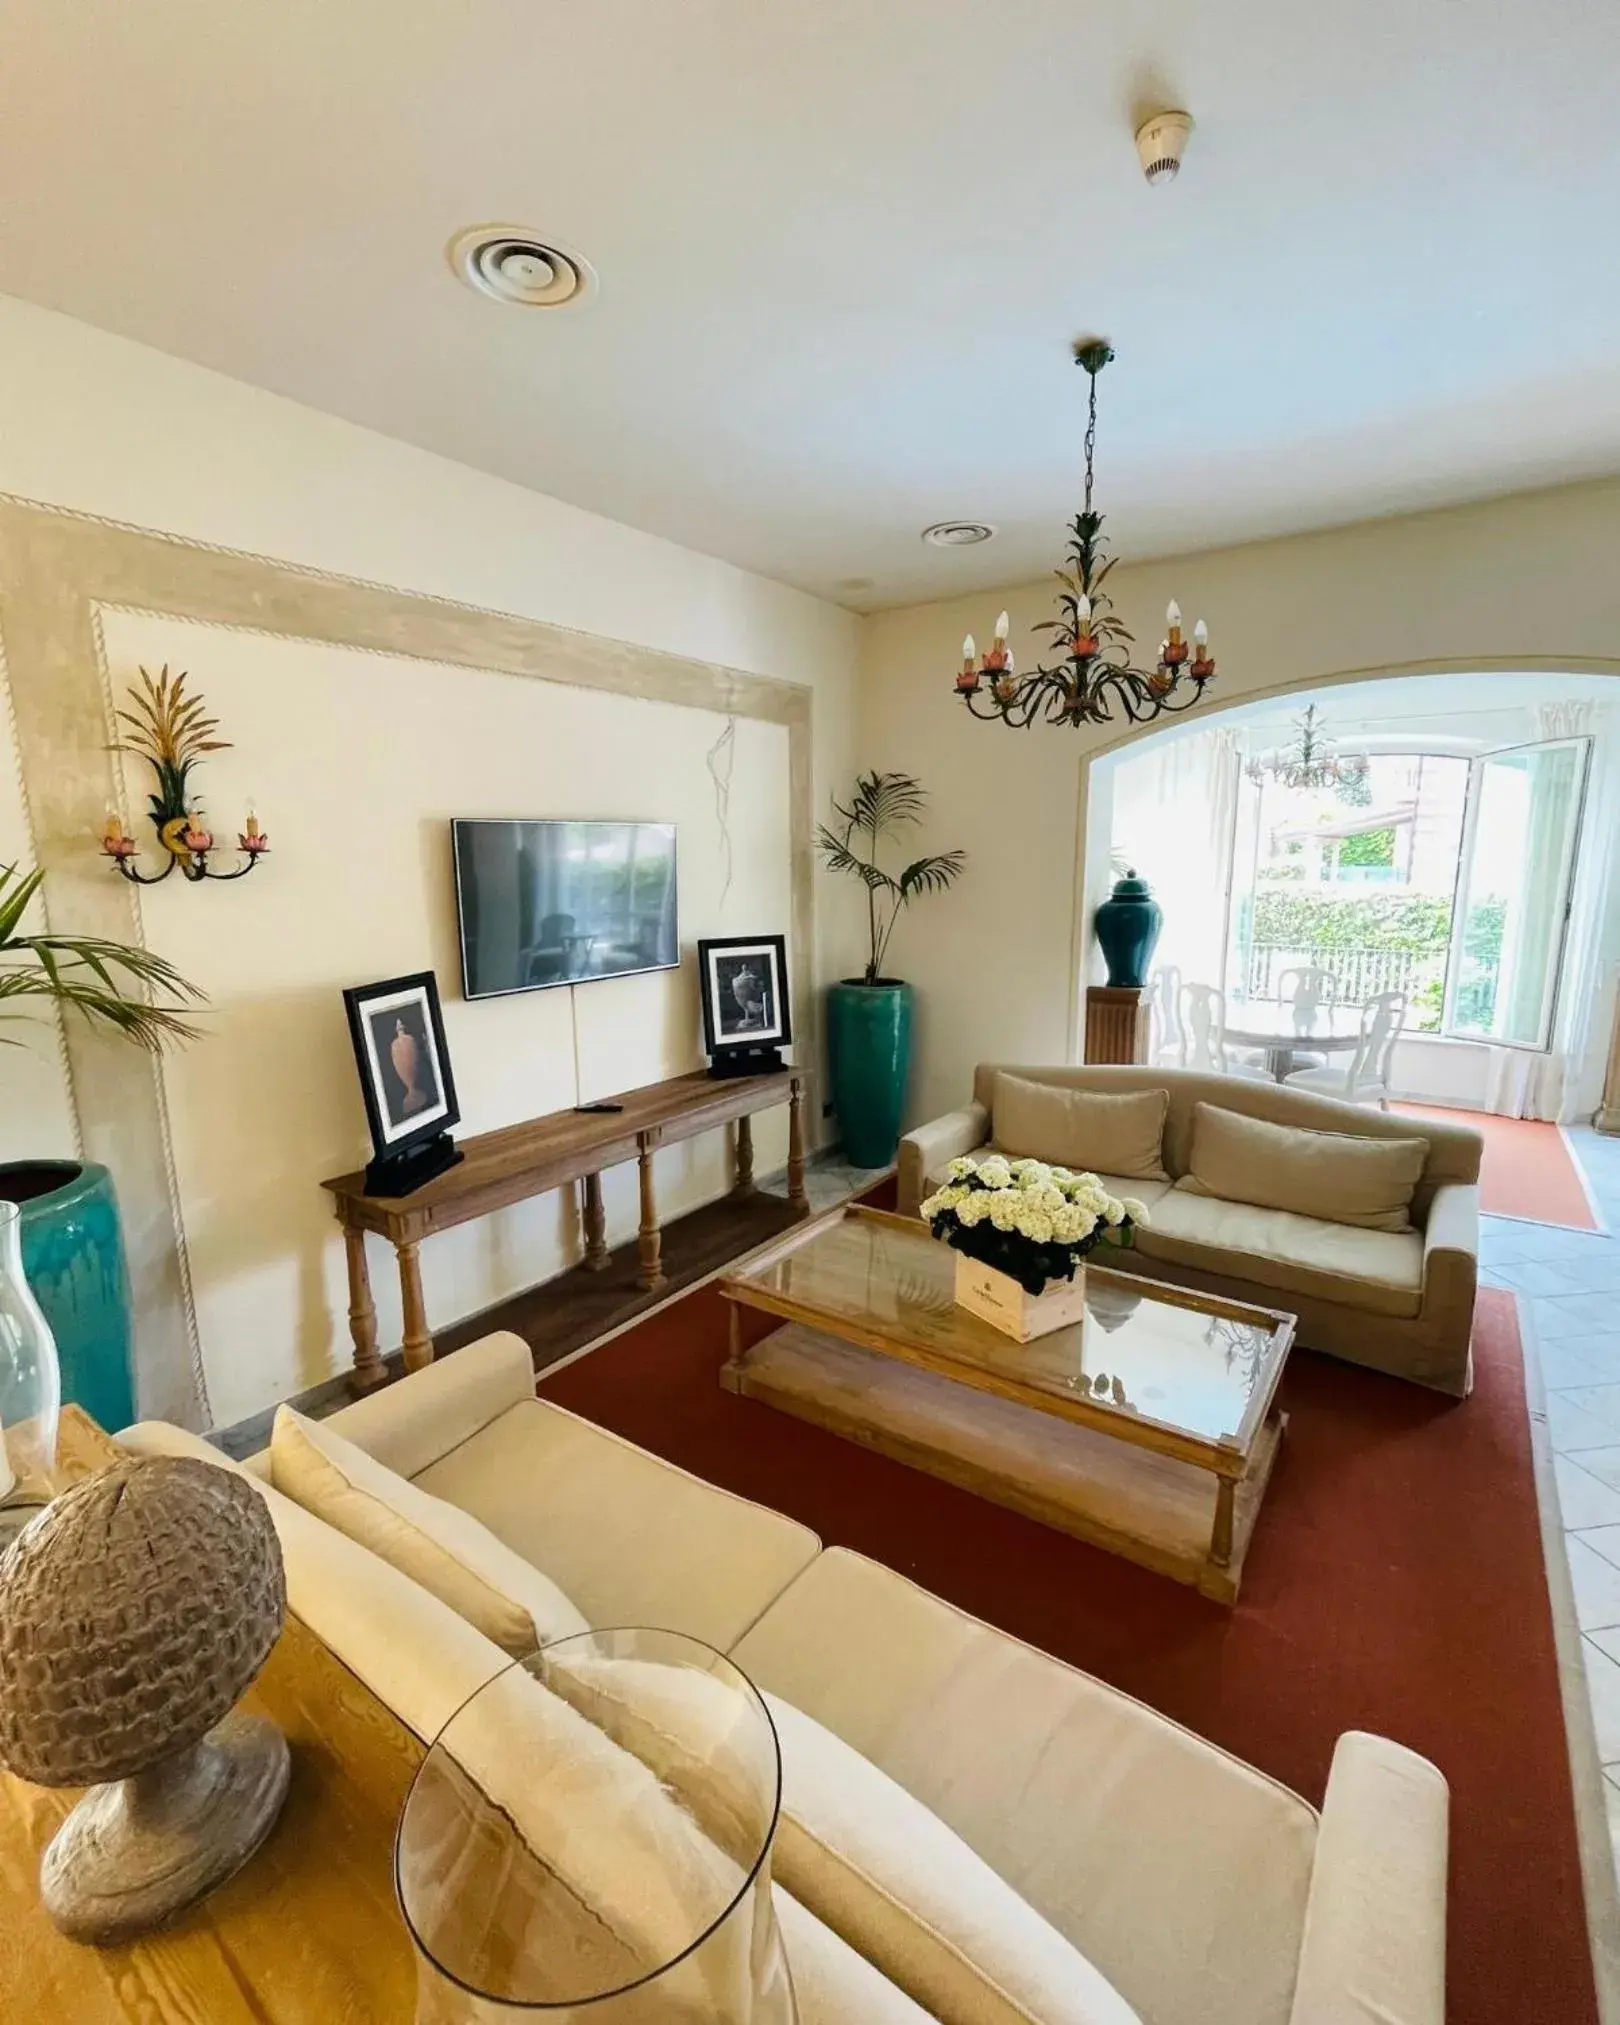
(958, 533)
(509, 264)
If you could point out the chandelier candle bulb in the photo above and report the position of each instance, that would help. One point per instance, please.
(1200, 636)
(968, 649)
(1172, 618)
(1001, 626)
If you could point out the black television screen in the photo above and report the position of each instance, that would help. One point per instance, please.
(546, 903)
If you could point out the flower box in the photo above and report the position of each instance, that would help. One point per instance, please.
(999, 1300)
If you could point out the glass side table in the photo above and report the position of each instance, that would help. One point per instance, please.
(589, 1840)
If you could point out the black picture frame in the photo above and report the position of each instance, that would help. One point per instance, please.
(410, 1093)
(734, 1021)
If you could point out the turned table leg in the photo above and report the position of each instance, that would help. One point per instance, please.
(797, 1199)
(369, 1370)
(745, 1156)
(649, 1242)
(418, 1341)
(597, 1258)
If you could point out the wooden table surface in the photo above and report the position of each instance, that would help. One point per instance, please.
(307, 1934)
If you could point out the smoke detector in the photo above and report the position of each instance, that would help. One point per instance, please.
(958, 533)
(1161, 142)
(511, 265)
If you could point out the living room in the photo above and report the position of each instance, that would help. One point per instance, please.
(606, 526)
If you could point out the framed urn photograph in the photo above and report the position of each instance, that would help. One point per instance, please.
(746, 1018)
(405, 1078)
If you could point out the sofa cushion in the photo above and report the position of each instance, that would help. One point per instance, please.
(633, 1539)
(909, 1895)
(832, 1985)
(1379, 1271)
(1098, 1812)
(1332, 1175)
(449, 1553)
(1081, 1128)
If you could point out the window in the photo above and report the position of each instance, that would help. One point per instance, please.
(1444, 878)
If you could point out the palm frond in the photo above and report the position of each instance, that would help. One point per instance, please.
(838, 857)
(882, 802)
(932, 875)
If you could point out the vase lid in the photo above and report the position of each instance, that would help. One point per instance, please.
(1132, 887)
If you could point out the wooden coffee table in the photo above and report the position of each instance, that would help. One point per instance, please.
(1149, 1429)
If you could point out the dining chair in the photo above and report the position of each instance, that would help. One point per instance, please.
(1308, 989)
(1203, 1034)
(1366, 1078)
(1164, 1009)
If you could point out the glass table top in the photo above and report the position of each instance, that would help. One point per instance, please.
(1145, 1352)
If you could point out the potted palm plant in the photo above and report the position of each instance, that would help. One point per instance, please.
(869, 1017)
(72, 1247)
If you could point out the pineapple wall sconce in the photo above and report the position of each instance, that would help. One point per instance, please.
(172, 732)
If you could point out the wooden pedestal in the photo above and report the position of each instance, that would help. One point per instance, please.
(1116, 1024)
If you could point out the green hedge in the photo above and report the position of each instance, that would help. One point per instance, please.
(1287, 918)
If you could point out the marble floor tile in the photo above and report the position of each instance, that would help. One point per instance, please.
(1611, 1796)
(1602, 1402)
(1583, 1499)
(1572, 1430)
(1547, 1277)
(1576, 1315)
(1596, 1583)
(1604, 1540)
(1603, 1692)
(1564, 1366)
(1602, 1463)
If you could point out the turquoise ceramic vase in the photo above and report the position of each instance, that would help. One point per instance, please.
(869, 1057)
(1127, 925)
(73, 1258)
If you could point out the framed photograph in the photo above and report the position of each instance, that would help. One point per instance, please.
(398, 1034)
(745, 992)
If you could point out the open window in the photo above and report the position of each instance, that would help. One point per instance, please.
(1514, 877)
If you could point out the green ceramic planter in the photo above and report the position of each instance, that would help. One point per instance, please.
(869, 1057)
(73, 1258)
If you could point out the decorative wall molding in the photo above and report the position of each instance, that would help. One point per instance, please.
(58, 571)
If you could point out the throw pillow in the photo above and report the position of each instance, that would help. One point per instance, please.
(446, 1550)
(1335, 1176)
(1093, 1130)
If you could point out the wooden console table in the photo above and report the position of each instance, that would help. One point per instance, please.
(308, 1931)
(519, 1161)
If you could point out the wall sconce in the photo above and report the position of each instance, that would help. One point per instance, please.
(171, 732)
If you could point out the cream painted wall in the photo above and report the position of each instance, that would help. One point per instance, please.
(357, 762)
(1526, 580)
(96, 424)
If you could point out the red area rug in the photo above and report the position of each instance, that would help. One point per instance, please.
(1395, 1584)
(1527, 1171)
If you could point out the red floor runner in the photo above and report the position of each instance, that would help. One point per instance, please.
(1527, 1169)
(1395, 1584)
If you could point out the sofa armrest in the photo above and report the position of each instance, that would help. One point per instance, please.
(930, 1146)
(1451, 1250)
(1375, 1920)
(412, 1423)
(411, 1650)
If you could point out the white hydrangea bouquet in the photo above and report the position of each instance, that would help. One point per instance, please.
(1029, 1223)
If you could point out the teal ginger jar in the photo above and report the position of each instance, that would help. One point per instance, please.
(73, 1259)
(1127, 925)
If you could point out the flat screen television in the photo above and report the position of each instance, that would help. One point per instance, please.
(545, 903)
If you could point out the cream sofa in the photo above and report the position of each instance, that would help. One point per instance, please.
(1204, 1891)
(1399, 1301)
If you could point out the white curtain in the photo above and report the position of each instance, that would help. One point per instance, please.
(1558, 1085)
(1175, 804)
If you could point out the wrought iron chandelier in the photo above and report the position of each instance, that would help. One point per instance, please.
(1094, 676)
(1311, 761)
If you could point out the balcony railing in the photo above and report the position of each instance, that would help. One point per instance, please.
(1362, 973)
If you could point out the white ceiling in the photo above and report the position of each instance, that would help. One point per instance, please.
(844, 247)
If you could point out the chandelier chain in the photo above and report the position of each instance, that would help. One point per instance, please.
(1091, 439)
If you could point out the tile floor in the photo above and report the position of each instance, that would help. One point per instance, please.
(1568, 1284)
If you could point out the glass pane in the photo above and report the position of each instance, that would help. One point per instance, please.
(1191, 1364)
(1511, 927)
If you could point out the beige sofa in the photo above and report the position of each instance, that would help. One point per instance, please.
(1399, 1301)
(1204, 1891)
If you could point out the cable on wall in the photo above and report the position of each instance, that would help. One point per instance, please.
(720, 760)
